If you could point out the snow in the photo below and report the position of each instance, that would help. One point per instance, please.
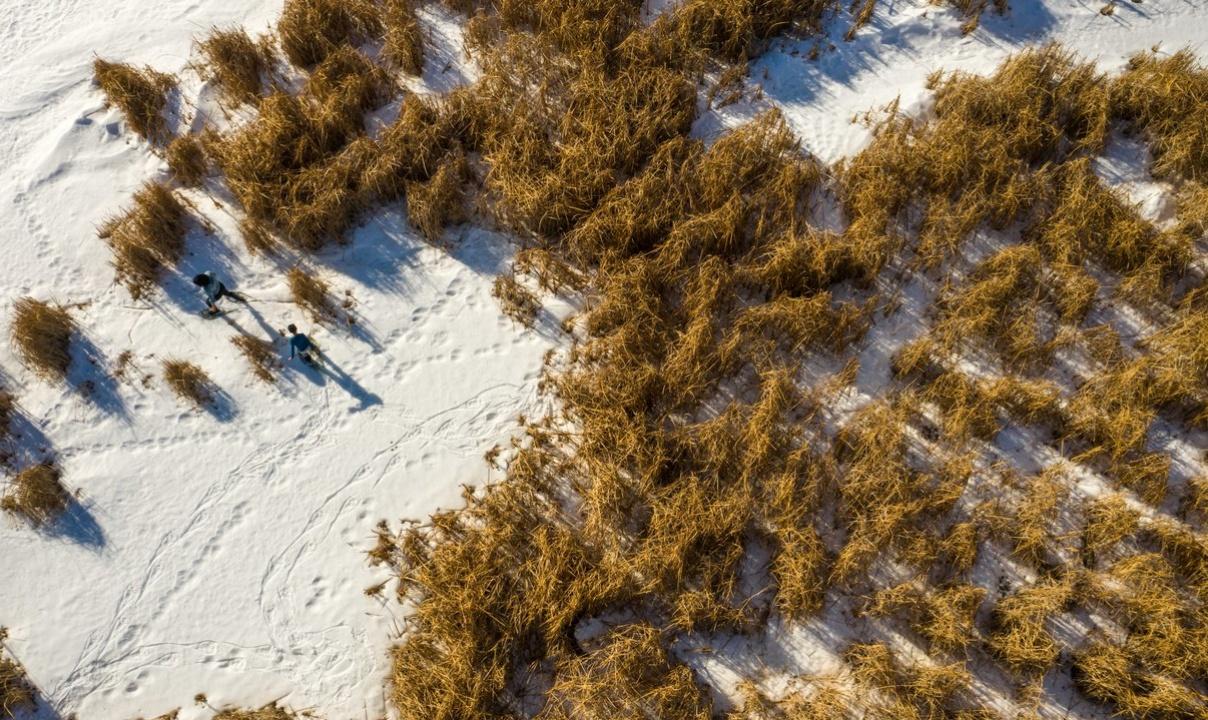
(223, 553)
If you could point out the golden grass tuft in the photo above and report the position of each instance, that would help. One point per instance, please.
(310, 30)
(236, 64)
(404, 45)
(517, 301)
(272, 711)
(147, 239)
(41, 335)
(17, 696)
(1020, 638)
(437, 202)
(8, 409)
(140, 93)
(187, 160)
(1109, 520)
(313, 295)
(1167, 99)
(631, 675)
(189, 382)
(37, 495)
(260, 355)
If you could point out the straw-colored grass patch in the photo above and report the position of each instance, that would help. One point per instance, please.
(189, 382)
(140, 93)
(41, 334)
(187, 160)
(236, 64)
(310, 30)
(260, 356)
(147, 239)
(37, 495)
(17, 695)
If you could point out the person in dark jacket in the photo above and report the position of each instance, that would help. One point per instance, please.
(214, 291)
(302, 347)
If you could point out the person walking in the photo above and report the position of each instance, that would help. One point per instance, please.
(302, 347)
(214, 291)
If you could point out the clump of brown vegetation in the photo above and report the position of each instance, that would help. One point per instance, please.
(404, 45)
(189, 382)
(140, 93)
(310, 30)
(515, 300)
(1020, 637)
(236, 64)
(41, 334)
(433, 204)
(260, 355)
(147, 239)
(298, 167)
(37, 495)
(272, 711)
(187, 160)
(313, 295)
(17, 695)
(1167, 99)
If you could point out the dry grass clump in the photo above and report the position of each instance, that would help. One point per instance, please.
(17, 694)
(313, 295)
(146, 239)
(236, 64)
(1020, 638)
(1109, 520)
(258, 239)
(37, 495)
(1106, 673)
(1167, 100)
(944, 617)
(404, 45)
(260, 355)
(189, 382)
(8, 407)
(310, 30)
(438, 202)
(272, 711)
(187, 160)
(41, 334)
(631, 675)
(141, 95)
(298, 167)
(517, 301)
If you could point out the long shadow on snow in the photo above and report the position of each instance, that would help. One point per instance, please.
(326, 370)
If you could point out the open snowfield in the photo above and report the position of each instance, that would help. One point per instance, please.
(223, 552)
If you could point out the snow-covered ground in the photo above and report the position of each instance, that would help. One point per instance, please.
(223, 552)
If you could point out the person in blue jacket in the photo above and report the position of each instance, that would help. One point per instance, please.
(214, 291)
(302, 347)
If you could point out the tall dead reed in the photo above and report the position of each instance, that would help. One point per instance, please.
(41, 333)
(148, 239)
(140, 93)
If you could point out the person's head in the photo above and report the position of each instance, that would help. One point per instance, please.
(293, 329)
(200, 279)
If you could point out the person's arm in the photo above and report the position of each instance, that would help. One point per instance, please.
(291, 349)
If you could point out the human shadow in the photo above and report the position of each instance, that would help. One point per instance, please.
(327, 369)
